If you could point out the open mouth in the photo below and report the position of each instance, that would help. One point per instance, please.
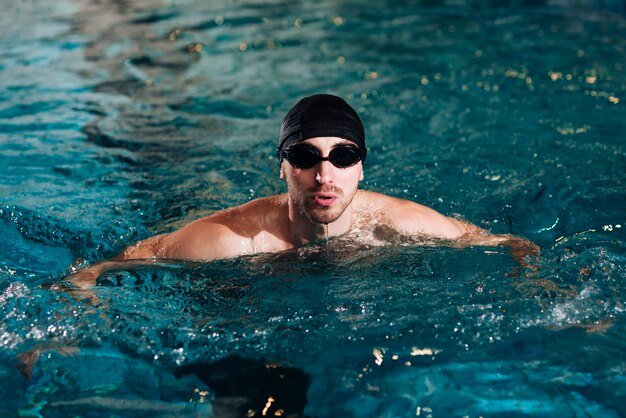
(324, 199)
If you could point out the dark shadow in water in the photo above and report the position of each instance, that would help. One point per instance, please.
(248, 388)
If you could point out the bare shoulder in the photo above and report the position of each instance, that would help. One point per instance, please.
(224, 234)
(411, 218)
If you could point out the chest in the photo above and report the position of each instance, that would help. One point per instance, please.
(265, 242)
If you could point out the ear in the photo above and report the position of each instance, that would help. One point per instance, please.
(361, 176)
(282, 172)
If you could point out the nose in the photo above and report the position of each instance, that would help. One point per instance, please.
(325, 172)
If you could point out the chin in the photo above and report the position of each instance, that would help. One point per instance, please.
(324, 216)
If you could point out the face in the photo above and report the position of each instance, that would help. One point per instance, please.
(323, 192)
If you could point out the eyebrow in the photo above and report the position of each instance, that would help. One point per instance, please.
(347, 142)
(338, 144)
(343, 144)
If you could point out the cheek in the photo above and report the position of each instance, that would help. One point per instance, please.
(297, 178)
(350, 178)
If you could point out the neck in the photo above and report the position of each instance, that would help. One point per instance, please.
(304, 230)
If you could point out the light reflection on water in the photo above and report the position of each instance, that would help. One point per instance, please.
(118, 121)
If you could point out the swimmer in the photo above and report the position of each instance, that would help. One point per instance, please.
(321, 150)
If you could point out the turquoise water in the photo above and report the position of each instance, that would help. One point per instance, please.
(122, 120)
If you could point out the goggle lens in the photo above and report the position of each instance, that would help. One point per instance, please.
(307, 157)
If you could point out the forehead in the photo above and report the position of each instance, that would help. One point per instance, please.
(325, 141)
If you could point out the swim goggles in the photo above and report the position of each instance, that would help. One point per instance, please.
(304, 156)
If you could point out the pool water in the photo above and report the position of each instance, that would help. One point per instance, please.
(120, 120)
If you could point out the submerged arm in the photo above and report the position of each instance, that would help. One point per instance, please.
(520, 248)
(413, 219)
(201, 240)
(141, 253)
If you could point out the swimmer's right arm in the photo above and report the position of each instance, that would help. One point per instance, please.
(202, 240)
(141, 253)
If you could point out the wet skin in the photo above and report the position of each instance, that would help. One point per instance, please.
(321, 201)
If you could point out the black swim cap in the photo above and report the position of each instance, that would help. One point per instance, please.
(321, 115)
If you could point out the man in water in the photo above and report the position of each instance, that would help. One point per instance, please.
(321, 151)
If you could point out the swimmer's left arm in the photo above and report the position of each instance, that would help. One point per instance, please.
(520, 248)
(410, 218)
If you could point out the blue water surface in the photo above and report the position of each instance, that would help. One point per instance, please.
(120, 120)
